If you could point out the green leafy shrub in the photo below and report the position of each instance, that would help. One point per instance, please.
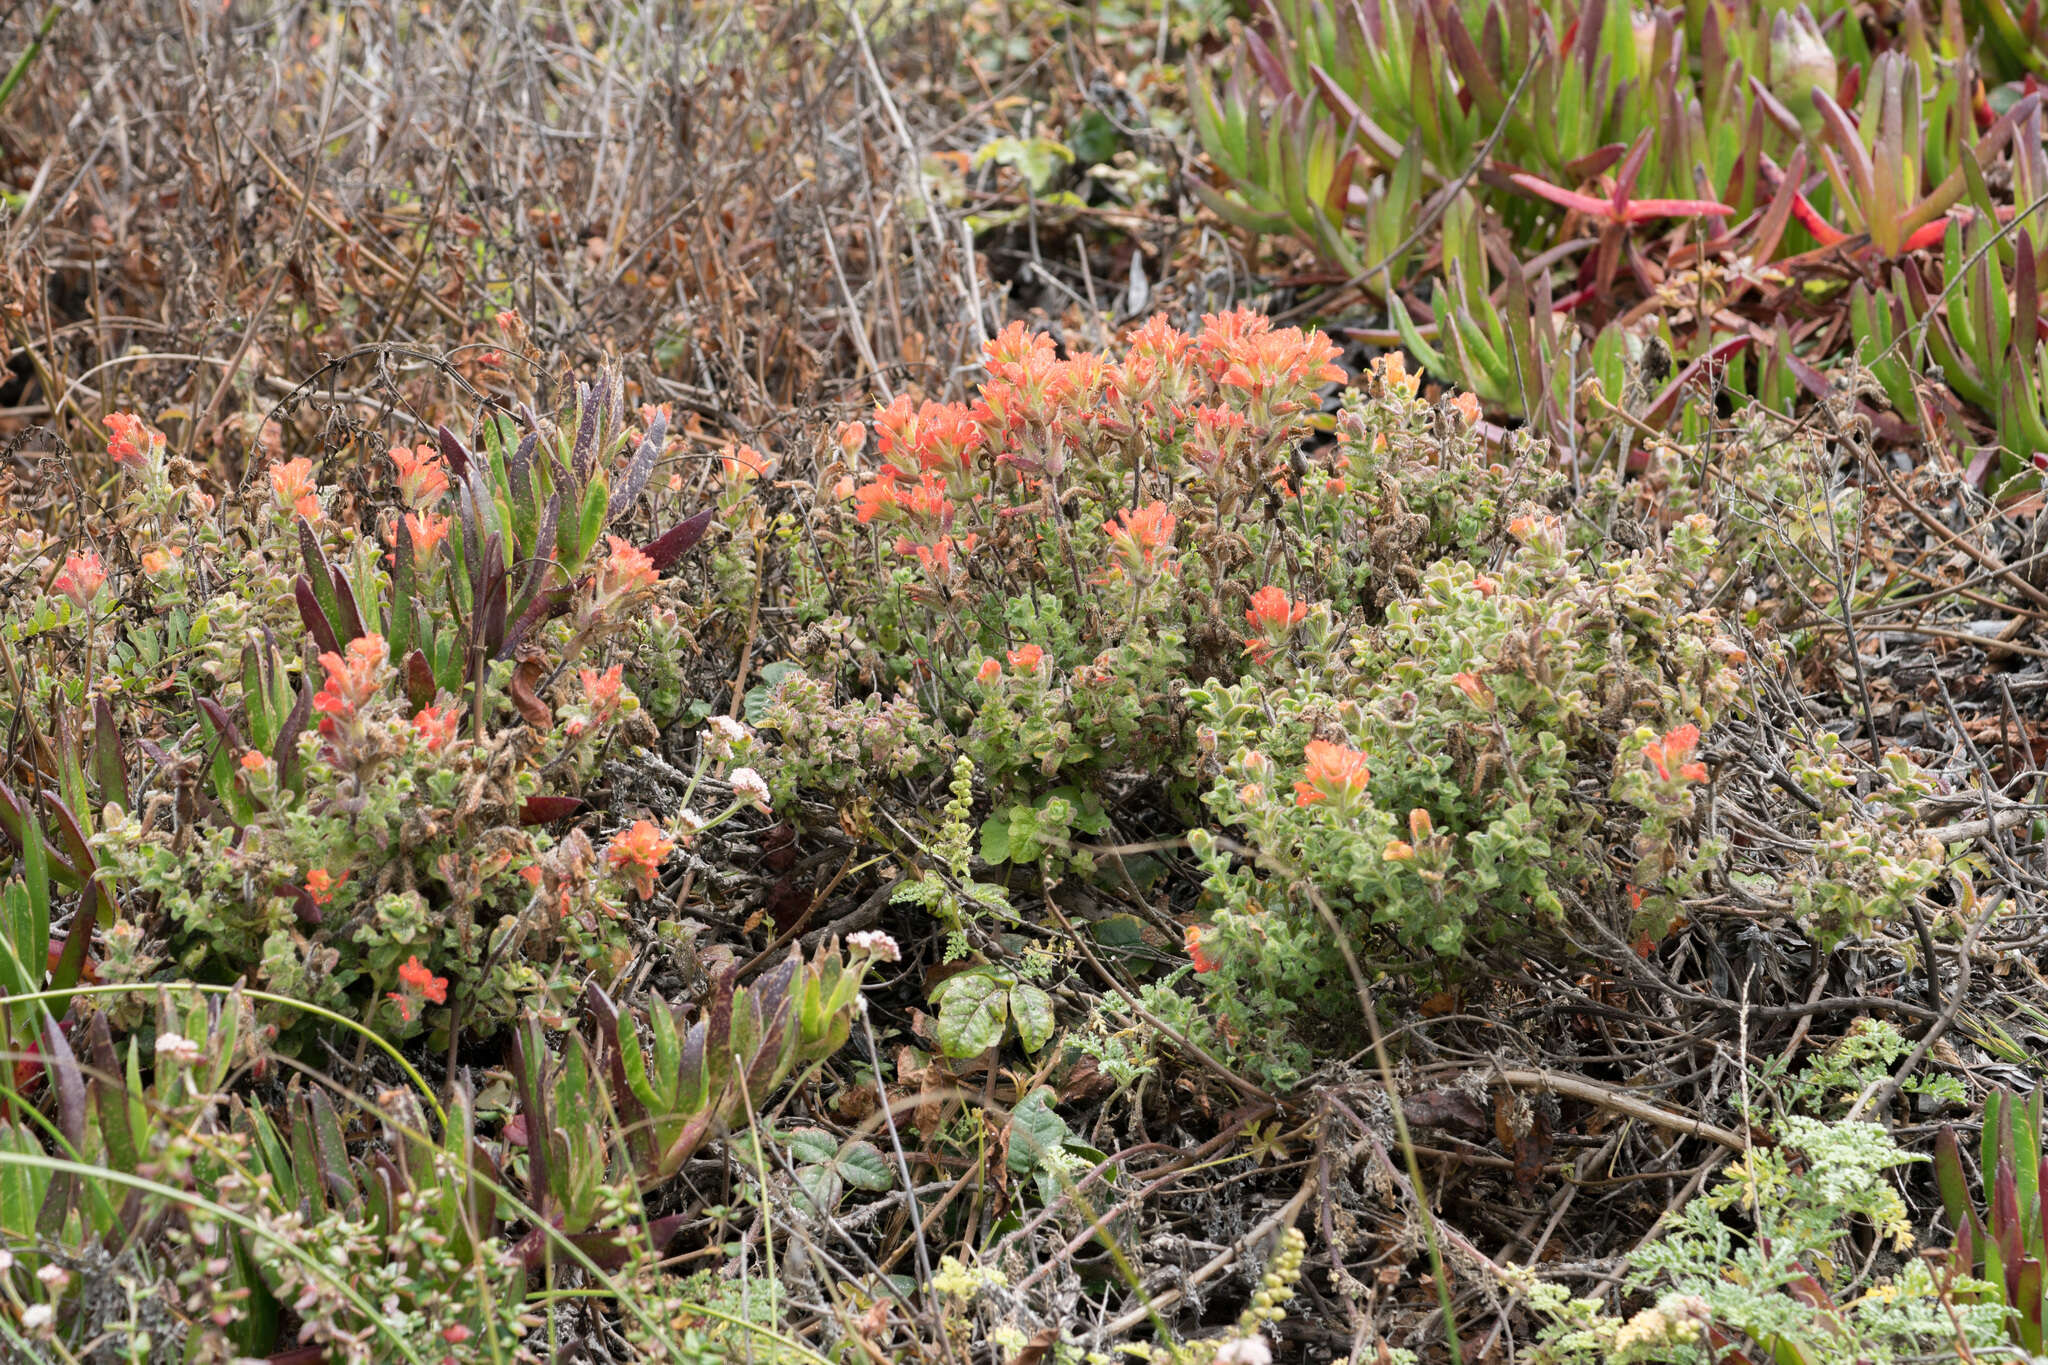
(1129, 574)
(1438, 792)
(370, 825)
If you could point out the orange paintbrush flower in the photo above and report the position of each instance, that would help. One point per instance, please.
(1332, 772)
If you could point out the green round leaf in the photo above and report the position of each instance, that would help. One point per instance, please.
(1032, 1009)
(973, 1013)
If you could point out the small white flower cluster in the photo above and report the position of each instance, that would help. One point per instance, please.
(729, 740)
(178, 1048)
(875, 944)
(749, 785)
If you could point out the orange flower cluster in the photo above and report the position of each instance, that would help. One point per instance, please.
(638, 854)
(1477, 691)
(1675, 751)
(600, 695)
(322, 884)
(1211, 395)
(743, 465)
(351, 681)
(130, 442)
(421, 475)
(941, 437)
(627, 570)
(1332, 773)
(1138, 536)
(427, 530)
(292, 481)
(436, 726)
(81, 580)
(419, 986)
(1274, 616)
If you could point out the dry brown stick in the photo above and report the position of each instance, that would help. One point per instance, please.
(1606, 1098)
(1991, 644)
(1977, 829)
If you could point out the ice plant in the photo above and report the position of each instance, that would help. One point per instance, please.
(1331, 772)
(81, 579)
(637, 855)
(1675, 751)
(292, 481)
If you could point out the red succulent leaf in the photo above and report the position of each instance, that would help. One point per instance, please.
(1824, 232)
(1619, 209)
(1927, 236)
(1602, 209)
(1642, 210)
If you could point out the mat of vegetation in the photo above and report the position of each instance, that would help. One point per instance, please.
(1010, 682)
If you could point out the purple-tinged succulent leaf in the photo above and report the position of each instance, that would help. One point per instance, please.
(97, 901)
(109, 1096)
(419, 681)
(635, 476)
(109, 769)
(584, 456)
(519, 469)
(666, 549)
(453, 450)
(315, 618)
(1269, 66)
(68, 1081)
(545, 810)
(1948, 1176)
